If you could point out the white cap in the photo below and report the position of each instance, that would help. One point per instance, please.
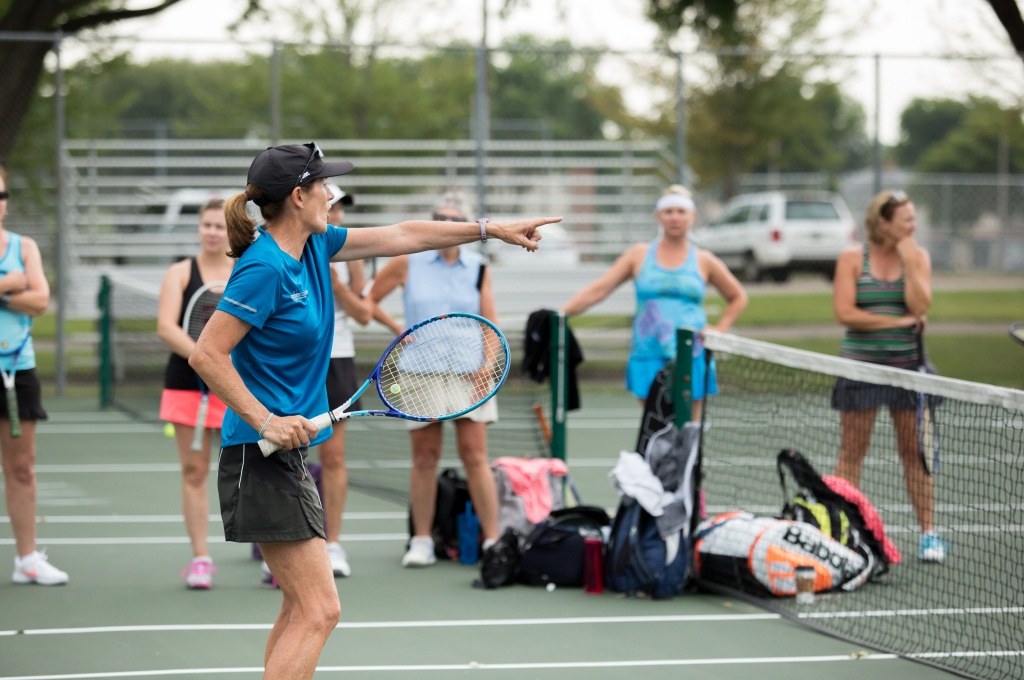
(339, 195)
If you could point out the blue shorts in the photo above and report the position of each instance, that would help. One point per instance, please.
(640, 374)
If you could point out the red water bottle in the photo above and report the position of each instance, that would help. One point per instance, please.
(593, 565)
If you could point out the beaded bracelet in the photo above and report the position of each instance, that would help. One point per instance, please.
(265, 423)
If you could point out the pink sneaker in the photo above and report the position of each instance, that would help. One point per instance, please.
(199, 573)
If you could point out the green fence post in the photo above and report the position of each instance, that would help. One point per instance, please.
(559, 384)
(106, 369)
(682, 379)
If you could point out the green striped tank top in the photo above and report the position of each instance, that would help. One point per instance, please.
(895, 347)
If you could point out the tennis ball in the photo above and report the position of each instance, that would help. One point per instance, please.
(551, 587)
(474, 664)
(395, 389)
(169, 430)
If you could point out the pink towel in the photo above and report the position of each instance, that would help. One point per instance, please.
(872, 521)
(530, 480)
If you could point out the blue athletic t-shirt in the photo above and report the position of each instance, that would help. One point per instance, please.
(283, 359)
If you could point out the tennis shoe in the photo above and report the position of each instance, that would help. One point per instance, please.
(931, 548)
(339, 560)
(420, 553)
(267, 579)
(199, 573)
(36, 568)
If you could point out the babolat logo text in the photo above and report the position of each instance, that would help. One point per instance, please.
(300, 296)
(815, 547)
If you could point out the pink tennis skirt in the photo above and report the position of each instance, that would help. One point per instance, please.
(182, 406)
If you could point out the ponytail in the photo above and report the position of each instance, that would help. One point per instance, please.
(241, 227)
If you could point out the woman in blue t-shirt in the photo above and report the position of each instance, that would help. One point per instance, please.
(671, 275)
(265, 353)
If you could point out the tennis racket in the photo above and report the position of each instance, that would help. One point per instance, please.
(1017, 331)
(10, 352)
(927, 434)
(198, 311)
(439, 369)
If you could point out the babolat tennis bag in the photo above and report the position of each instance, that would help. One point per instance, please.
(759, 555)
(836, 507)
(554, 550)
(639, 562)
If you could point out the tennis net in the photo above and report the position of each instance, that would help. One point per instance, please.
(964, 614)
(133, 360)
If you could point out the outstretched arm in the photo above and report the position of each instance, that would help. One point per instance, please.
(622, 270)
(420, 235)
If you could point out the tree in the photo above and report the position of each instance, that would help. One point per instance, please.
(1008, 13)
(755, 110)
(987, 137)
(924, 123)
(21, 62)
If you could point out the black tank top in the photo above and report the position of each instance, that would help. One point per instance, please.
(179, 375)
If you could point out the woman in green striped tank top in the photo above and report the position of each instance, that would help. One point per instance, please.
(881, 294)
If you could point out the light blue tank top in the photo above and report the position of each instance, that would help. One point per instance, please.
(13, 325)
(434, 287)
(666, 299)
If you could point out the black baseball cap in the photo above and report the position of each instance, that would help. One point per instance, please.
(280, 169)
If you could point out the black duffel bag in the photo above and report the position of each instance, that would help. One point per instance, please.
(553, 551)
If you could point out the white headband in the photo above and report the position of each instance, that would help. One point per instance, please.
(675, 201)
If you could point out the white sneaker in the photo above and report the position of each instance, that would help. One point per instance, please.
(35, 568)
(267, 579)
(420, 553)
(339, 560)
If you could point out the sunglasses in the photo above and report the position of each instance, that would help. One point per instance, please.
(896, 199)
(314, 152)
(448, 218)
(4, 195)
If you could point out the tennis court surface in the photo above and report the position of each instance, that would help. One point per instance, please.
(110, 516)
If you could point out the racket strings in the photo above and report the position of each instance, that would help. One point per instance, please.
(202, 308)
(444, 367)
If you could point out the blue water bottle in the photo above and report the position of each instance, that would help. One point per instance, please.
(468, 526)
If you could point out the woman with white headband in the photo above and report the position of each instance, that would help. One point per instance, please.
(671, 275)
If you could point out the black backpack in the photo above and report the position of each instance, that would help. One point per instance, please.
(452, 496)
(815, 503)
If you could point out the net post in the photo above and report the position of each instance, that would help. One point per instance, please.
(559, 382)
(103, 302)
(682, 378)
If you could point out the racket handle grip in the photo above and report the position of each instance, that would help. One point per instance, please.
(322, 422)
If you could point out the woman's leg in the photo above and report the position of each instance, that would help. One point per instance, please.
(472, 445)
(426, 454)
(335, 481)
(855, 433)
(195, 503)
(309, 608)
(19, 466)
(920, 487)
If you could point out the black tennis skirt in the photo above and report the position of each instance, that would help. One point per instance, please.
(30, 401)
(267, 499)
(853, 395)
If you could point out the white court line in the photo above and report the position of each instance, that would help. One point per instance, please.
(367, 625)
(473, 665)
(177, 519)
(879, 613)
(178, 540)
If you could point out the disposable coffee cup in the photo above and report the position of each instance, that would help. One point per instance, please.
(804, 585)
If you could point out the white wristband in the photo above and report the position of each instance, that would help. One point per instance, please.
(483, 229)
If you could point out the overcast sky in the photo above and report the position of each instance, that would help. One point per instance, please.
(902, 30)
